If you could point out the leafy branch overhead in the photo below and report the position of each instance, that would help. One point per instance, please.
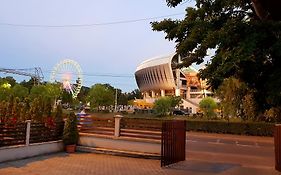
(245, 47)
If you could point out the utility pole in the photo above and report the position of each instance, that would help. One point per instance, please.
(115, 108)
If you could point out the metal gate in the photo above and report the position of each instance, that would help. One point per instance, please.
(173, 142)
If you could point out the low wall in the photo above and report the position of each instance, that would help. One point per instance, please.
(9, 153)
(120, 143)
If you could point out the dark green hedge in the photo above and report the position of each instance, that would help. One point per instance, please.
(245, 128)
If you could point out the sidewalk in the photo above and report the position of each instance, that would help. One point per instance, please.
(90, 164)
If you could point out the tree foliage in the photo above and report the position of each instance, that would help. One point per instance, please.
(164, 105)
(101, 95)
(208, 106)
(231, 93)
(20, 91)
(70, 132)
(246, 47)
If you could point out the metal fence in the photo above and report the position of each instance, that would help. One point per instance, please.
(13, 134)
(26, 132)
(41, 132)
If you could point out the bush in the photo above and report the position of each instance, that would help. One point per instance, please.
(163, 105)
(208, 106)
(58, 113)
(70, 132)
(240, 128)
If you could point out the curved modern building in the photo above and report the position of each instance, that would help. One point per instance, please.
(159, 76)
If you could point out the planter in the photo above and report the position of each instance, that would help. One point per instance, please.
(70, 148)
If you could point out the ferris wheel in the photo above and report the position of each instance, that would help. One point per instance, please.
(69, 73)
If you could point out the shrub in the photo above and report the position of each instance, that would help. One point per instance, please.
(163, 105)
(70, 132)
(208, 106)
(239, 128)
(58, 113)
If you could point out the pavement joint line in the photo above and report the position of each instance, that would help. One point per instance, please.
(191, 140)
(219, 143)
(245, 145)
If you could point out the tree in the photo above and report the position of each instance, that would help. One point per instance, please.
(37, 91)
(208, 106)
(10, 80)
(82, 96)
(237, 100)
(16, 109)
(58, 114)
(5, 93)
(163, 105)
(249, 107)
(36, 110)
(70, 132)
(3, 111)
(246, 47)
(231, 93)
(101, 95)
(135, 94)
(28, 84)
(48, 107)
(20, 91)
(53, 91)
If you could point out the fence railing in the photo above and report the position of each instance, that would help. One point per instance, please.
(26, 132)
(94, 125)
(141, 128)
(119, 126)
(14, 134)
(41, 132)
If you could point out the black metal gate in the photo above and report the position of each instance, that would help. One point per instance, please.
(173, 142)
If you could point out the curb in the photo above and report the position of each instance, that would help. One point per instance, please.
(118, 152)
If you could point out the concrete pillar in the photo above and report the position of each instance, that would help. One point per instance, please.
(152, 94)
(27, 137)
(188, 92)
(178, 92)
(146, 94)
(162, 93)
(117, 121)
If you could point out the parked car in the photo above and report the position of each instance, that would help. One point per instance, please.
(179, 112)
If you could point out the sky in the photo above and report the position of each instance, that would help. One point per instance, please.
(107, 53)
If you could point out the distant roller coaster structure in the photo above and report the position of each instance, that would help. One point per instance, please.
(35, 73)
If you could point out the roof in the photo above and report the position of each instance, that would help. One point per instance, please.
(155, 62)
(189, 69)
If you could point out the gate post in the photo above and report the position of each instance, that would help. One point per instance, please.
(117, 120)
(277, 146)
(27, 136)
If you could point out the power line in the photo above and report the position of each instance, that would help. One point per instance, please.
(96, 74)
(87, 25)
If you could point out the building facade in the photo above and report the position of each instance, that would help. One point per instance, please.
(159, 77)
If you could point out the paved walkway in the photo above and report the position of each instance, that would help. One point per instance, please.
(89, 164)
(206, 154)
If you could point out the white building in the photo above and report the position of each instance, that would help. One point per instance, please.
(159, 77)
